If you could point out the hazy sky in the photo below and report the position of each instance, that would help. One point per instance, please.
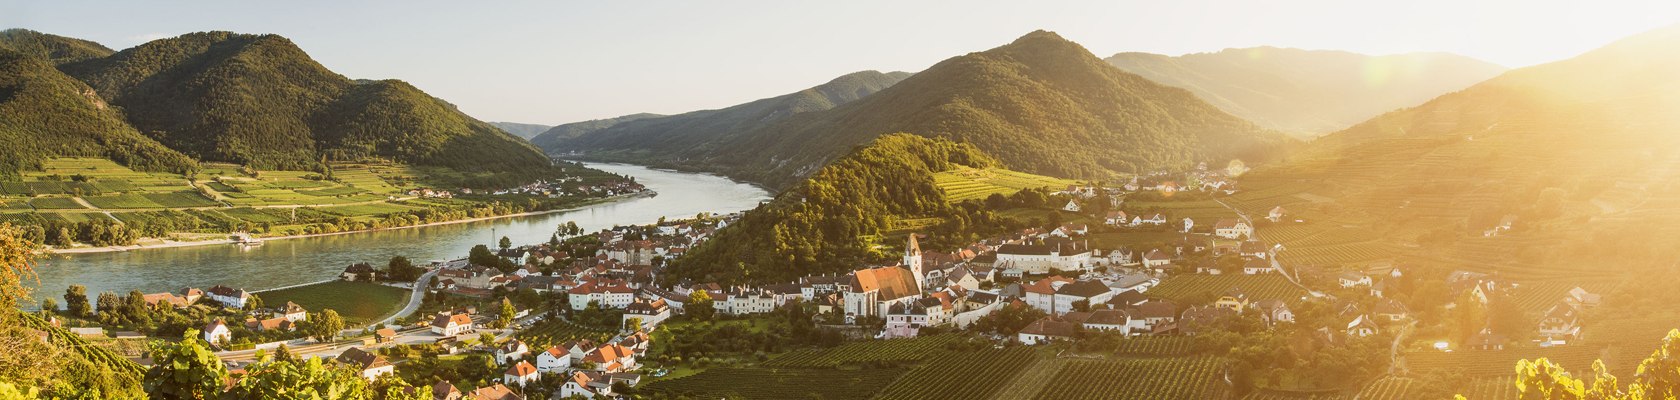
(553, 62)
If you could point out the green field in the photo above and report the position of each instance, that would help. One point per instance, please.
(971, 183)
(356, 302)
(1165, 378)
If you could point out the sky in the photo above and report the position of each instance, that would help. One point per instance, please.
(552, 62)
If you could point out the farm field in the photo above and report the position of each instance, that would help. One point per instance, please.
(958, 376)
(1391, 388)
(974, 184)
(555, 331)
(1166, 378)
(892, 350)
(1201, 286)
(356, 302)
(778, 383)
(1486, 363)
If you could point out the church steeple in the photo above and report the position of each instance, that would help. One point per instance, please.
(913, 261)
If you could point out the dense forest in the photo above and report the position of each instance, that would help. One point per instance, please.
(647, 137)
(44, 113)
(1041, 104)
(256, 100)
(832, 222)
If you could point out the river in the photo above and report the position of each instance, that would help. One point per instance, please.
(280, 263)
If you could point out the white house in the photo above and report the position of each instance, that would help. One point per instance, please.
(555, 359)
(651, 313)
(230, 297)
(1072, 206)
(1065, 255)
(1155, 259)
(294, 312)
(607, 295)
(1361, 327)
(1116, 218)
(511, 350)
(1115, 321)
(1152, 219)
(452, 324)
(522, 374)
(217, 332)
(582, 384)
(371, 365)
(1232, 228)
(1276, 214)
(1560, 321)
(1045, 330)
(1351, 279)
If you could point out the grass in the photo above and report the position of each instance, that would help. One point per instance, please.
(356, 302)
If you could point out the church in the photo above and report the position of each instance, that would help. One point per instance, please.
(874, 290)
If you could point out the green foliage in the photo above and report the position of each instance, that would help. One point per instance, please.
(45, 113)
(308, 379)
(830, 222)
(54, 48)
(185, 370)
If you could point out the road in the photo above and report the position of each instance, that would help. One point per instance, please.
(415, 297)
(1271, 253)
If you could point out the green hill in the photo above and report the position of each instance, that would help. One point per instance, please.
(260, 100)
(1041, 104)
(526, 131)
(834, 221)
(53, 48)
(1581, 154)
(44, 113)
(1309, 92)
(551, 137)
(644, 138)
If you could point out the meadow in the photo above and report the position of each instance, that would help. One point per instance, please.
(356, 302)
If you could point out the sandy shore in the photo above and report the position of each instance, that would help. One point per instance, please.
(172, 243)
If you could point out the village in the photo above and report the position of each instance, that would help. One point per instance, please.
(1036, 287)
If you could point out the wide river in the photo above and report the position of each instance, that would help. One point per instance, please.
(287, 262)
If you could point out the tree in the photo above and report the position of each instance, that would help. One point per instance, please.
(49, 306)
(486, 339)
(481, 255)
(284, 353)
(76, 301)
(325, 326)
(699, 305)
(505, 243)
(17, 264)
(253, 303)
(634, 324)
(185, 370)
(401, 269)
(506, 316)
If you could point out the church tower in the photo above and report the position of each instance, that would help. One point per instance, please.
(913, 261)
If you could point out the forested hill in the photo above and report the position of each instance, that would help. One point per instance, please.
(260, 100)
(526, 131)
(1041, 104)
(45, 113)
(1309, 92)
(550, 137)
(649, 138)
(53, 48)
(831, 222)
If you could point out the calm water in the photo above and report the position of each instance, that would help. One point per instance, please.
(293, 261)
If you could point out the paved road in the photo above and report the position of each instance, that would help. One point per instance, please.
(415, 297)
(1271, 253)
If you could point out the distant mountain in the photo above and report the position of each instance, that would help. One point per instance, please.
(1041, 104)
(647, 138)
(45, 113)
(1309, 92)
(53, 48)
(523, 131)
(564, 132)
(260, 100)
(1581, 157)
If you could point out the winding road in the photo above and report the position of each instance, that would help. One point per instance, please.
(415, 297)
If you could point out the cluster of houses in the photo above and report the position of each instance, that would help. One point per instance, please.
(573, 186)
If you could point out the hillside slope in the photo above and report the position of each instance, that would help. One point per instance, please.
(524, 131)
(45, 113)
(1582, 156)
(832, 221)
(53, 48)
(1309, 92)
(1041, 104)
(260, 100)
(650, 138)
(551, 137)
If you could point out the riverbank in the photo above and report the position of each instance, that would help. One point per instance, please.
(174, 244)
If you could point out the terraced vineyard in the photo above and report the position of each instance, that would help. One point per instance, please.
(1485, 363)
(1501, 388)
(1538, 296)
(972, 183)
(1165, 378)
(1258, 287)
(869, 351)
(961, 376)
(778, 383)
(1391, 388)
(1281, 395)
(1156, 346)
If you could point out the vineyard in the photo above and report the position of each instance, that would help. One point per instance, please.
(1166, 378)
(1205, 212)
(1483, 363)
(1536, 296)
(1391, 388)
(1264, 394)
(1338, 254)
(959, 376)
(870, 351)
(555, 331)
(772, 383)
(1501, 388)
(1258, 287)
(972, 184)
(1156, 346)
